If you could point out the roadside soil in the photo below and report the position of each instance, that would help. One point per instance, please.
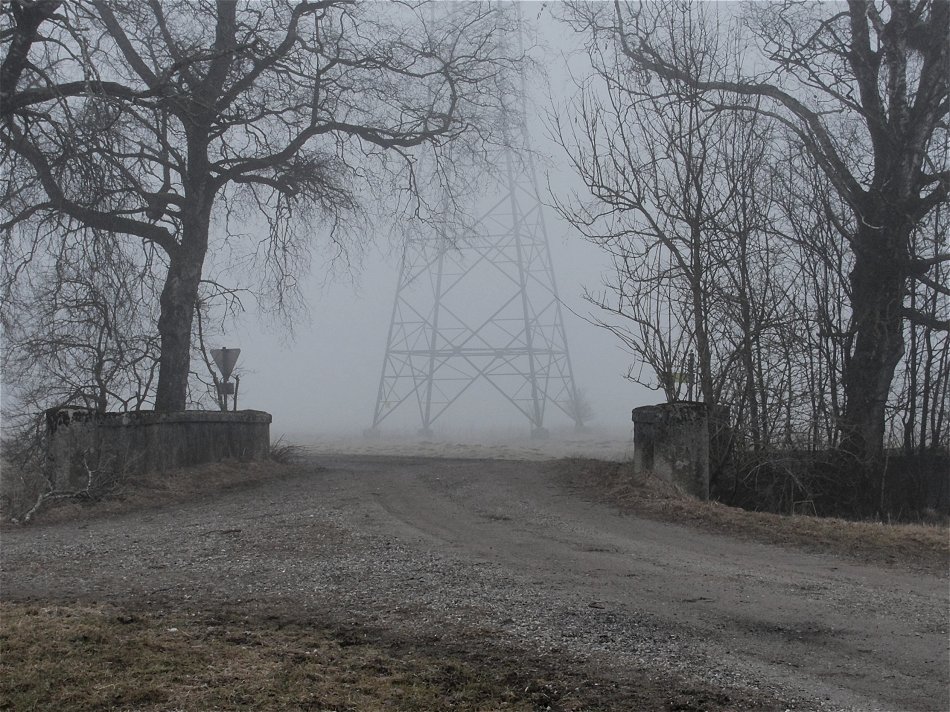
(523, 567)
(916, 547)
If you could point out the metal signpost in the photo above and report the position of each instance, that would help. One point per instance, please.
(225, 359)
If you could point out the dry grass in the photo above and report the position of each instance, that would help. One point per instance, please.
(917, 546)
(99, 658)
(286, 453)
(22, 484)
(155, 489)
(95, 657)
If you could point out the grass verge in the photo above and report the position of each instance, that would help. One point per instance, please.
(916, 546)
(82, 657)
(159, 489)
(99, 657)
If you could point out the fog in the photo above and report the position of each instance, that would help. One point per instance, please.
(323, 380)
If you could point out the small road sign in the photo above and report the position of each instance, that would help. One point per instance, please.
(225, 359)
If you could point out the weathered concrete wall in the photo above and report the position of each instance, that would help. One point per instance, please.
(671, 441)
(146, 441)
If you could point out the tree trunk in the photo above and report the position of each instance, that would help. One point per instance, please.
(178, 300)
(174, 326)
(27, 20)
(878, 284)
(180, 293)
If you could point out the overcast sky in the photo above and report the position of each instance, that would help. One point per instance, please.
(324, 381)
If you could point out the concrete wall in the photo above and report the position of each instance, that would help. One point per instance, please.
(671, 441)
(146, 441)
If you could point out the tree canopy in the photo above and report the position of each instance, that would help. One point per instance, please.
(856, 96)
(187, 125)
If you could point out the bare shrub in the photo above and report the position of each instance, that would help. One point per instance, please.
(285, 453)
(28, 483)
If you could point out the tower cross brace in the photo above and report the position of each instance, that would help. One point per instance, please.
(481, 306)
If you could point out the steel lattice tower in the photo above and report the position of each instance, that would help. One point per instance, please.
(482, 305)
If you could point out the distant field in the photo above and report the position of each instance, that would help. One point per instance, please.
(603, 444)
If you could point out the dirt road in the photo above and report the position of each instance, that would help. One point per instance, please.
(504, 550)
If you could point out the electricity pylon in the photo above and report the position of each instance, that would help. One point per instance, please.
(482, 305)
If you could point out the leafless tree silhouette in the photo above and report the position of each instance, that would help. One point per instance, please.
(230, 132)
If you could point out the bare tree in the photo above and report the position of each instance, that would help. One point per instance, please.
(919, 411)
(677, 192)
(22, 21)
(867, 74)
(816, 340)
(187, 125)
(645, 151)
(79, 331)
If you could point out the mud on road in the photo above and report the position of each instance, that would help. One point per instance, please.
(507, 554)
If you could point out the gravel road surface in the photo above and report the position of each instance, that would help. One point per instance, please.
(506, 550)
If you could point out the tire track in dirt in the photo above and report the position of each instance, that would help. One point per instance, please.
(427, 544)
